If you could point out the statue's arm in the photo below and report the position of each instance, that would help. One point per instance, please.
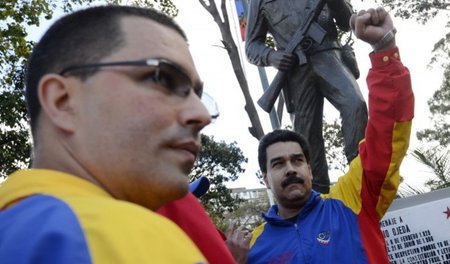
(341, 10)
(256, 32)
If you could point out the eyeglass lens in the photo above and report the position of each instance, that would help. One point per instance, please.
(182, 84)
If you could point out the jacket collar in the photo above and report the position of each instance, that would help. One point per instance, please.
(272, 216)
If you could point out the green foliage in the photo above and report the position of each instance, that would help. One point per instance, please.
(15, 147)
(334, 146)
(15, 17)
(420, 10)
(439, 106)
(166, 6)
(259, 176)
(438, 160)
(221, 163)
(270, 42)
(436, 156)
(441, 50)
(407, 190)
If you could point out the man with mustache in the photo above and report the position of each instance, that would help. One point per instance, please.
(342, 226)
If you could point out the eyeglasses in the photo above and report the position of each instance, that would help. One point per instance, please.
(163, 72)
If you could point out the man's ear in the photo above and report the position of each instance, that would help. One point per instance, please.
(264, 175)
(56, 99)
(310, 171)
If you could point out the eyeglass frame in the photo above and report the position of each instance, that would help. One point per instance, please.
(157, 62)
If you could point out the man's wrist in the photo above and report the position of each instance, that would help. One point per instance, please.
(386, 42)
(384, 57)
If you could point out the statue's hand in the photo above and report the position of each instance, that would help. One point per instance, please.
(372, 26)
(281, 60)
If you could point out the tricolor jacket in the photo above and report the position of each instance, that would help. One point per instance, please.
(343, 226)
(53, 217)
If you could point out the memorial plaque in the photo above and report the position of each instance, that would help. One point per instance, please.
(417, 229)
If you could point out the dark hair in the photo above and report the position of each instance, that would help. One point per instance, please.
(279, 135)
(83, 37)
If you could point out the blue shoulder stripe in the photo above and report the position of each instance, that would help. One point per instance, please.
(41, 229)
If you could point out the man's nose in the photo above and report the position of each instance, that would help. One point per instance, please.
(290, 169)
(194, 113)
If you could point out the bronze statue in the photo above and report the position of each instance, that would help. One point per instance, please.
(324, 75)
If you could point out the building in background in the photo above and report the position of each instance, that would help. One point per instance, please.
(255, 201)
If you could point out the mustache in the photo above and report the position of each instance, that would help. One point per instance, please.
(291, 180)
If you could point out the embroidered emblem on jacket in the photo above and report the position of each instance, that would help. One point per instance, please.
(324, 237)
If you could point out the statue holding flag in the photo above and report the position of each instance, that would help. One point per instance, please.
(308, 57)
